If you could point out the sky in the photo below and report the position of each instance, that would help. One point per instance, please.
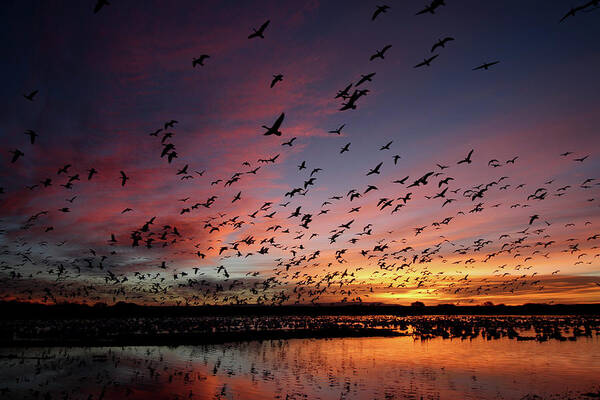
(107, 80)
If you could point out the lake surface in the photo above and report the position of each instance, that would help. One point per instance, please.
(340, 368)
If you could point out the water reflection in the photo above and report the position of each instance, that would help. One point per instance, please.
(350, 368)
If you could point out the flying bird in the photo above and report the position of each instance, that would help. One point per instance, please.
(426, 61)
(170, 124)
(338, 130)
(486, 65)
(124, 178)
(432, 7)
(31, 95)
(401, 181)
(572, 11)
(32, 135)
(200, 60)
(183, 171)
(379, 10)
(380, 53)
(441, 43)
(387, 146)
(100, 4)
(289, 143)
(276, 78)
(375, 170)
(91, 173)
(467, 159)
(16, 155)
(365, 78)
(274, 130)
(260, 31)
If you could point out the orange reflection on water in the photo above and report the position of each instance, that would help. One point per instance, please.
(342, 368)
(395, 368)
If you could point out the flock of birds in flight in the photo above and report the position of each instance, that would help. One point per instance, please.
(300, 274)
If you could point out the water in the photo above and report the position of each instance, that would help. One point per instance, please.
(346, 368)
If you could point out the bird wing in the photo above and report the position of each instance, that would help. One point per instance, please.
(264, 26)
(279, 121)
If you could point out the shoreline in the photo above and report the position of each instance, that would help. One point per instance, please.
(13, 310)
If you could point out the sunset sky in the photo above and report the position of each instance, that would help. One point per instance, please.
(107, 80)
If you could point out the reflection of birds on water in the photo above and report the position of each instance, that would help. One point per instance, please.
(213, 370)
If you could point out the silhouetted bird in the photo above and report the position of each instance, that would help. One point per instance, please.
(260, 31)
(91, 173)
(170, 124)
(274, 130)
(432, 7)
(365, 78)
(31, 95)
(375, 170)
(572, 11)
(467, 159)
(380, 53)
(124, 178)
(16, 154)
(289, 143)
(200, 60)
(100, 4)
(386, 146)
(338, 130)
(426, 61)
(441, 43)
(276, 78)
(486, 65)
(379, 10)
(32, 135)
